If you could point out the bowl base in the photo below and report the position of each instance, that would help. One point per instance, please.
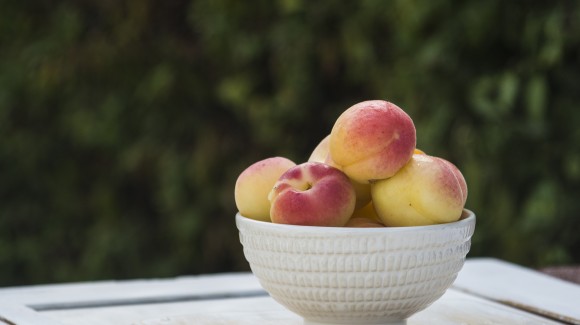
(397, 322)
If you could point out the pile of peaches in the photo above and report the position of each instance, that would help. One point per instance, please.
(366, 173)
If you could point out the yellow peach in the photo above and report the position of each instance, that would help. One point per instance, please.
(427, 190)
(255, 183)
(320, 152)
(363, 223)
(368, 211)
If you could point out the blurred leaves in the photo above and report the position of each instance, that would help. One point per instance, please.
(124, 124)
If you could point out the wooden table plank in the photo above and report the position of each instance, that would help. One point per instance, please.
(454, 308)
(14, 314)
(458, 308)
(256, 310)
(522, 288)
(239, 299)
(111, 293)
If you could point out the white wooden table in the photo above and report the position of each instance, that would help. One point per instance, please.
(487, 291)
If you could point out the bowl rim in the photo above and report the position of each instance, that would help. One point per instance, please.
(467, 218)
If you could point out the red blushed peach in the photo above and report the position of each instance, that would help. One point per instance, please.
(255, 183)
(427, 190)
(321, 154)
(312, 194)
(372, 140)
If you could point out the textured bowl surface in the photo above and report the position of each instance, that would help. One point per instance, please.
(356, 275)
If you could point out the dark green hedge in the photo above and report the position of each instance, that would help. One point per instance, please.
(124, 124)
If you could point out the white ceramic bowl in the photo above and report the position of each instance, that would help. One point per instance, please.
(333, 275)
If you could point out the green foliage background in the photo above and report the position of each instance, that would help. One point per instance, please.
(124, 124)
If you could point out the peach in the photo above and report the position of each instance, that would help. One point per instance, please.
(372, 140)
(368, 211)
(255, 183)
(427, 190)
(365, 217)
(321, 154)
(312, 194)
(363, 223)
(363, 193)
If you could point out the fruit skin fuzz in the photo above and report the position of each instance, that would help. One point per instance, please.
(312, 194)
(367, 170)
(254, 184)
(372, 140)
(427, 190)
